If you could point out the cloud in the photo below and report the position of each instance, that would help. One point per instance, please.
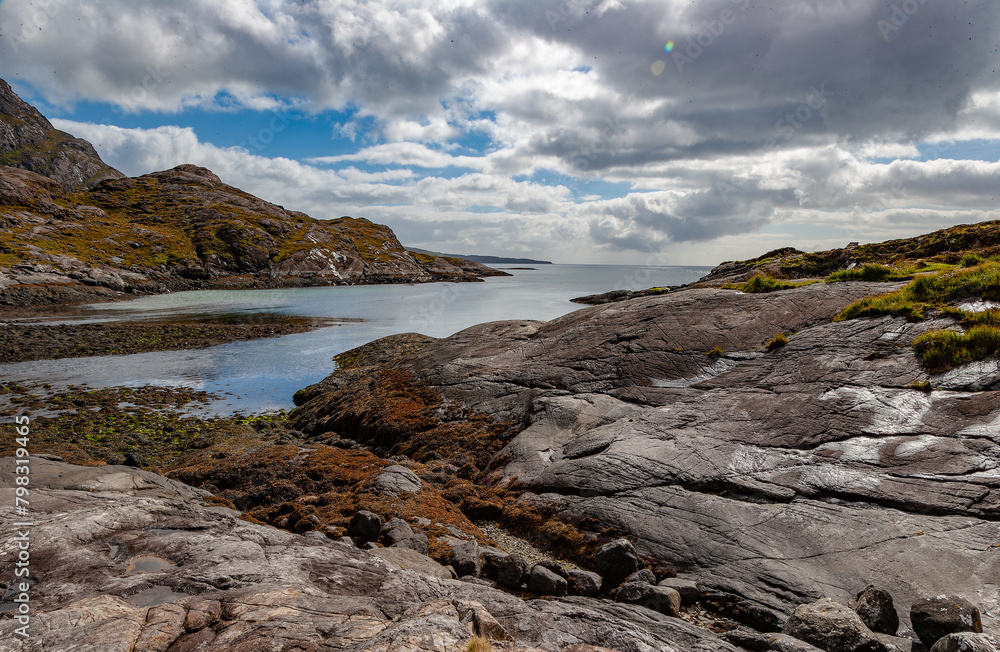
(762, 115)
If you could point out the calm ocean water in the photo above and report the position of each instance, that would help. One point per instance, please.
(263, 375)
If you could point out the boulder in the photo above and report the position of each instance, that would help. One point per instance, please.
(491, 558)
(555, 567)
(874, 605)
(395, 480)
(615, 561)
(832, 627)
(644, 575)
(934, 618)
(585, 583)
(544, 582)
(417, 543)
(365, 525)
(464, 556)
(967, 642)
(662, 599)
(512, 571)
(395, 530)
(630, 592)
(690, 593)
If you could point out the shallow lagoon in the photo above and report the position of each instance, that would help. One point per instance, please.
(262, 375)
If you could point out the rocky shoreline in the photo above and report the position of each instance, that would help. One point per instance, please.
(22, 343)
(670, 474)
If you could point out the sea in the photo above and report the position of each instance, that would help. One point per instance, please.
(262, 375)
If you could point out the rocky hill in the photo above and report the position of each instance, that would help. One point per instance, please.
(947, 246)
(30, 142)
(74, 229)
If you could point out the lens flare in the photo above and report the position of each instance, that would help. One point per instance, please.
(669, 47)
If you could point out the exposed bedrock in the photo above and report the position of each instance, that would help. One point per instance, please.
(777, 477)
(127, 560)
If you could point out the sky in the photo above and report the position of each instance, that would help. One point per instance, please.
(643, 132)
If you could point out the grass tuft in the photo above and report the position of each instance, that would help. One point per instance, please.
(929, 292)
(971, 259)
(479, 644)
(867, 272)
(715, 351)
(942, 349)
(777, 342)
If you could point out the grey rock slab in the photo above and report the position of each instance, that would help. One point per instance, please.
(967, 642)
(396, 479)
(50, 474)
(407, 559)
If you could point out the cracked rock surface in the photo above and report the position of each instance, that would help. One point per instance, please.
(778, 477)
(226, 584)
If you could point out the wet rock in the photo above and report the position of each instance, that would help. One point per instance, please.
(585, 583)
(967, 642)
(396, 479)
(832, 627)
(365, 525)
(874, 605)
(615, 561)
(544, 582)
(512, 572)
(933, 618)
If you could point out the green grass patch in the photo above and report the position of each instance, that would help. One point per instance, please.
(759, 283)
(971, 259)
(867, 272)
(942, 350)
(929, 292)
